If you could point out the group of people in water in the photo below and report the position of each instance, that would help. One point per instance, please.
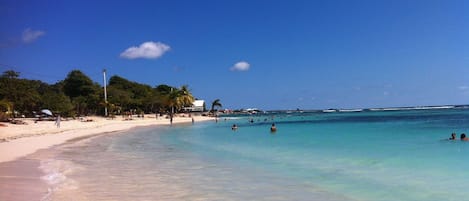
(273, 129)
(463, 137)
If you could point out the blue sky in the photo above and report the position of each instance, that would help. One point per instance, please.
(264, 54)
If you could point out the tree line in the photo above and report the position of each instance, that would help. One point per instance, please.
(78, 95)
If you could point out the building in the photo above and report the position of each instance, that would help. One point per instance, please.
(197, 106)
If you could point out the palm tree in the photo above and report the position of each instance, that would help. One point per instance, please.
(215, 103)
(185, 97)
(177, 99)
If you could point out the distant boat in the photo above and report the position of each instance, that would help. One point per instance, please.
(434, 107)
(413, 108)
(389, 109)
(252, 111)
(329, 110)
(350, 110)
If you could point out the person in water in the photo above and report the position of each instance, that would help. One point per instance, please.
(453, 136)
(463, 137)
(234, 127)
(273, 128)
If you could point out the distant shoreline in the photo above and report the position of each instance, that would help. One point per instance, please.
(343, 110)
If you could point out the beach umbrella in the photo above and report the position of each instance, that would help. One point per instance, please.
(46, 111)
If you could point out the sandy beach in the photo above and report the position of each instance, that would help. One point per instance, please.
(17, 141)
(20, 176)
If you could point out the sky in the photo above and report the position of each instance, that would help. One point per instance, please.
(252, 54)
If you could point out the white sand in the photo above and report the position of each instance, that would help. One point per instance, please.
(22, 140)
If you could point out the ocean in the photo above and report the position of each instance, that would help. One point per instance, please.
(366, 156)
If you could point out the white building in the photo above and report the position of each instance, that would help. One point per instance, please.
(197, 106)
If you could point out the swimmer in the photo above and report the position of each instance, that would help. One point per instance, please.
(234, 127)
(273, 128)
(463, 137)
(453, 136)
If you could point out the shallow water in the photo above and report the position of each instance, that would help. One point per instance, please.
(375, 156)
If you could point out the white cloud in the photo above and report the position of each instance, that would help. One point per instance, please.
(241, 66)
(30, 35)
(463, 88)
(147, 50)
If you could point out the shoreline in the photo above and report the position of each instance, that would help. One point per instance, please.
(21, 179)
(23, 147)
(17, 141)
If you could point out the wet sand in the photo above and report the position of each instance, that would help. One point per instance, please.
(21, 140)
(21, 180)
(23, 147)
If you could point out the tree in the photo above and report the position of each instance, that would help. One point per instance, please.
(185, 97)
(10, 74)
(163, 89)
(82, 91)
(215, 103)
(159, 99)
(78, 84)
(8, 94)
(176, 99)
(5, 110)
(78, 94)
(130, 95)
(119, 97)
(23, 94)
(54, 98)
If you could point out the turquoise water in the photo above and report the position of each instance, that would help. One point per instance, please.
(399, 155)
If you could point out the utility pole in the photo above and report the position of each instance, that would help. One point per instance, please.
(172, 109)
(105, 93)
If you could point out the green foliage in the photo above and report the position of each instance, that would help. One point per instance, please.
(78, 84)
(163, 89)
(174, 99)
(22, 93)
(135, 96)
(55, 100)
(84, 94)
(5, 110)
(130, 95)
(185, 97)
(177, 98)
(77, 94)
(10, 74)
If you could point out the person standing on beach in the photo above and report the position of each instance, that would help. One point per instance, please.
(57, 121)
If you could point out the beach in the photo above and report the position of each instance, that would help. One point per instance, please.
(30, 137)
(20, 176)
(340, 156)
